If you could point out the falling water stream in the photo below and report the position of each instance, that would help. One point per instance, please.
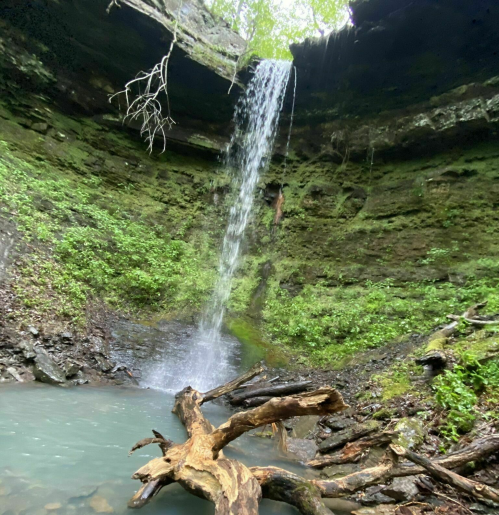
(256, 121)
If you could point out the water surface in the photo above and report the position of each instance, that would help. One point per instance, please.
(66, 446)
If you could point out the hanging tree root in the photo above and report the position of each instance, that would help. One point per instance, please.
(200, 466)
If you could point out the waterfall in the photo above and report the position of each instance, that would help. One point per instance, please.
(256, 118)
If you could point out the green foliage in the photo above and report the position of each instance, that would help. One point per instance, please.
(330, 323)
(457, 391)
(97, 246)
(271, 26)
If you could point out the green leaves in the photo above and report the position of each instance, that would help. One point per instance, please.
(270, 26)
(457, 391)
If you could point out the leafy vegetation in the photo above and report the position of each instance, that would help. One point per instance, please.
(331, 323)
(270, 26)
(458, 391)
(84, 242)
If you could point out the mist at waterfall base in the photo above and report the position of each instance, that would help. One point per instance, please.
(209, 360)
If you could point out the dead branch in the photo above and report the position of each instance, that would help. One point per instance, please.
(319, 402)
(474, 488)
(473, 321)
(438, 339)
(270, 391)
(235, 384)
(353, 451)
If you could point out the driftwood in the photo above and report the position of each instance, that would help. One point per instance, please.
(474, 488)
(270, 391)
(200, 466)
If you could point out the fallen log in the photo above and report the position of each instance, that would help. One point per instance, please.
(270, 391)
(280, 485)
(353, 451)
(474, 488)
(199, 464)
(235, 384)
(473, 321)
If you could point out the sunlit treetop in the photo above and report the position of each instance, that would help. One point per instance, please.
(270, 26)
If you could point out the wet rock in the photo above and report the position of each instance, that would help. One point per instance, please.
(27, 349)
(103, 363)
(304, 426)
(15, 374)
(304, 450)
(411, 433)
(348, 435)
(71, 369)
(97, 344)
(337, 471)
(41, 127)
(402, 489)
(33, 331)
(53, 506)
(67, 338)
(100, 505)
(338, 423)
(46, 369)
(373, 496)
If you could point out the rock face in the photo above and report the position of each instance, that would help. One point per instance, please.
(68, 64)
(388, 59)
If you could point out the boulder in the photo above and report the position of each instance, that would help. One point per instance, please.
(402, 489)
(46, 369)
(411, 433)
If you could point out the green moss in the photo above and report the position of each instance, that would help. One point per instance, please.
(103, 226)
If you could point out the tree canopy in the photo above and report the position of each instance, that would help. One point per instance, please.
(270, 26)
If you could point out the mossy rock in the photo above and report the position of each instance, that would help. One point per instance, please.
(411, 433)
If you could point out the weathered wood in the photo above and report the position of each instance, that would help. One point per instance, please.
(319, 402)
(439, 338)
(270, 391)
(280, 485)
(200, 466)
(473, 321)
(229, 387)
(474, 488)
(353, 451)
(476, 451)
